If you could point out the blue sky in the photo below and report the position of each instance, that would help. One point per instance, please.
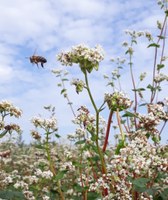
(51, 26)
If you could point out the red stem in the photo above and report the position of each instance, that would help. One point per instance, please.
(108, 131)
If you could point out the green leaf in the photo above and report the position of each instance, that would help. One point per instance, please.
(96, 66)
(63, 91)
(140, 184)
(65, 79)
(164, 194)
(79, 188)
(3, 133)
(151, 87)
(154, 45)
(78, 164)
(120, 145)
(93, 196)
(57, 135)
(80, 142)
(166, 12)
(138, 89)
(60, 175)
(143, 104)
(128, 114)
(160, 66)
(11, 195)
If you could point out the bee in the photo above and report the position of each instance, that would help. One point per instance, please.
(34, 59)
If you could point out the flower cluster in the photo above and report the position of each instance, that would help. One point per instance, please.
(160, 77)
(85, 119)
(88, 58)
(35, 135)
(7, 108)
(13, 127)
(44, 174)
(158, 110)
(149, 122)
(135, 34)
(117, 101)
(139, 159)
(47, 124)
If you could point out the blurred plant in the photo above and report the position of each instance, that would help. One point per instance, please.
(8, 109)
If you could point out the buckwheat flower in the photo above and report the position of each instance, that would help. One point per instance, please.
(38, 172)
(50, 123)
(160, 77)
(87, 58)
(70, 191)
(117, 100)
(86, 154)
(142, 76)
(31, 179)
(35, 135)
(65, 58)
(8, 180)
(21, 184)
(7, 108)
(158, 110)
(45, 198)
(68, 166)
(148, 35)
(164, 58)
(130, 50)
(13, 127)
(148, 121)
(47, 174)
(28, 195)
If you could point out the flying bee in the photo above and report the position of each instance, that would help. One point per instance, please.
(37, 59)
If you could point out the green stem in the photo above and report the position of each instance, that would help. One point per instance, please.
(51, 165)
(135, 92)
(97, 124)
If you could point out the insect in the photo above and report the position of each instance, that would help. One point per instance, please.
(34, 59)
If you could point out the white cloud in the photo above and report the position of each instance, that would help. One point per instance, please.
(51, 26)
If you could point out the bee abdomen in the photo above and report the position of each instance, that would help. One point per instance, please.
(41, 59)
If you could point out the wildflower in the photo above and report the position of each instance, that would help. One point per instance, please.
(47, 124)
(158, 111)
(117, 100)
(35, 135)
(149, 121)
(8, 108)
(87, 58)
(142, 76)
(160, 77)
(13, 127)
(148, 35)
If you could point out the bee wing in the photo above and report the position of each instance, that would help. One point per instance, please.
(35, 51)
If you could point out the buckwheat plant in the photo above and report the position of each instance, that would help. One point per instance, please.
(7, 109)
(137, 166)
(49, 127)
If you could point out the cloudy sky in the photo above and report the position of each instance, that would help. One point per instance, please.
(50, 26)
